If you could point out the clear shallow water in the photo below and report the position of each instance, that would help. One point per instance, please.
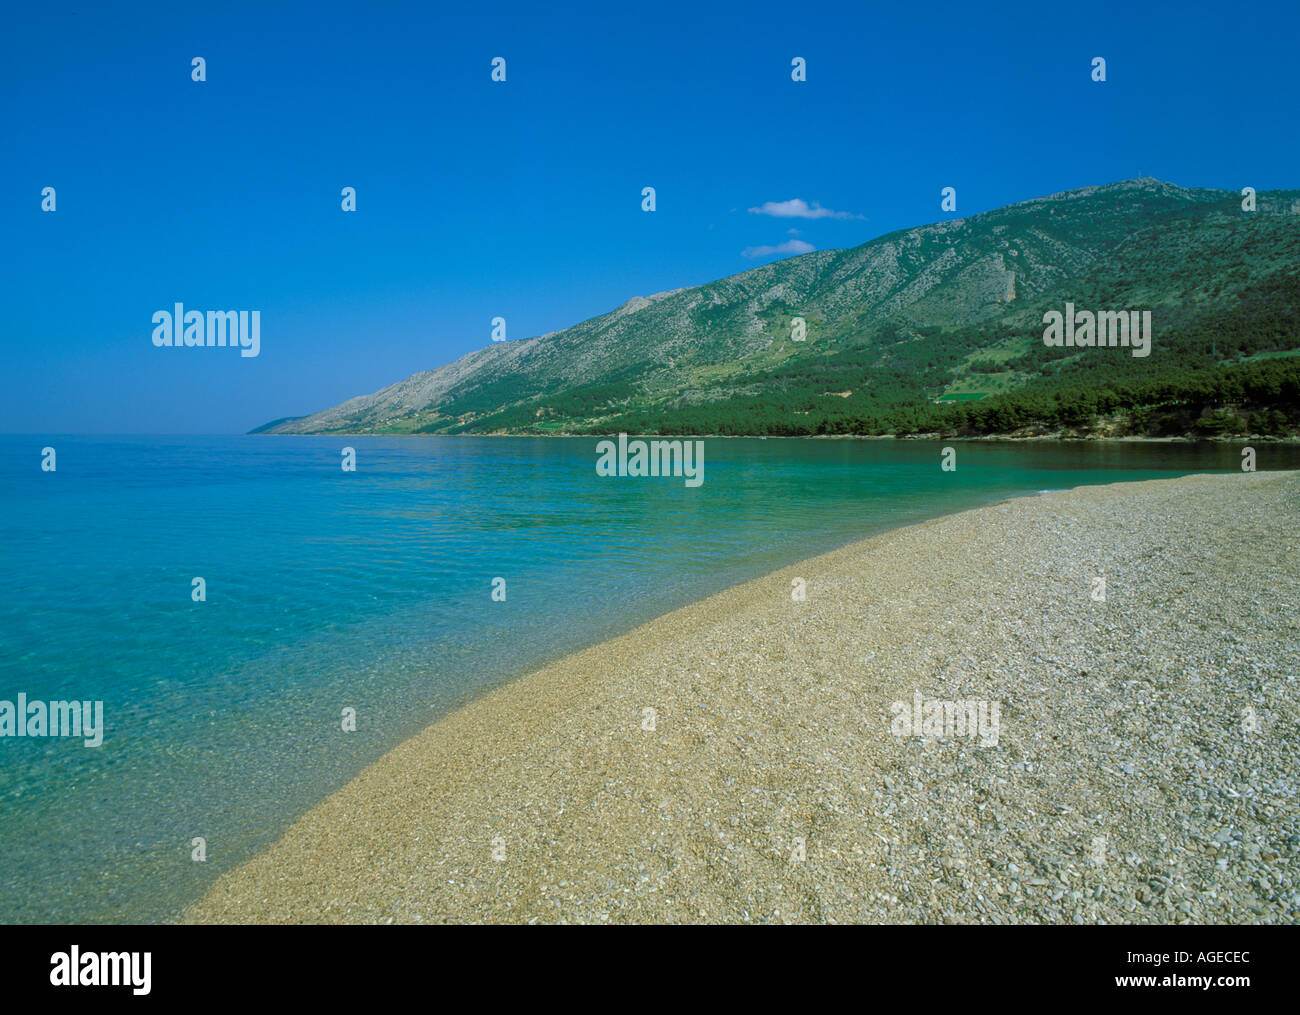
(371, 590)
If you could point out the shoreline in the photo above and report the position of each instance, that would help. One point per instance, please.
(770, 787)
(1007, 438)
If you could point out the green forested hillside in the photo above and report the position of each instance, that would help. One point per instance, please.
(934, 329)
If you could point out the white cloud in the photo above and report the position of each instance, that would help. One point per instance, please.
(788, 247)
(796, 208)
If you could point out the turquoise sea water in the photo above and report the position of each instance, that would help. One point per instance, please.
(372, 590)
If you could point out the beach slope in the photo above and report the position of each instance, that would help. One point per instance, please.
(741, 759)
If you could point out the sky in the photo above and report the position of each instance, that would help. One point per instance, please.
(522, 199)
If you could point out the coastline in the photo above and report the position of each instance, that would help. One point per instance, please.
(1056, 438)
(771, 788)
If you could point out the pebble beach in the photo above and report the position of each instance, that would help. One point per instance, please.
(741, 760)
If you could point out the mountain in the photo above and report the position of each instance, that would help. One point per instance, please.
(938, 327)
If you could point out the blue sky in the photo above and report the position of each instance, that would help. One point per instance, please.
(522, 200)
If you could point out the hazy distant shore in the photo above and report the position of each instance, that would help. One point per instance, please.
(1145, 767)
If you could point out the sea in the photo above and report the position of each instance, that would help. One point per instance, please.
(380, 598)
